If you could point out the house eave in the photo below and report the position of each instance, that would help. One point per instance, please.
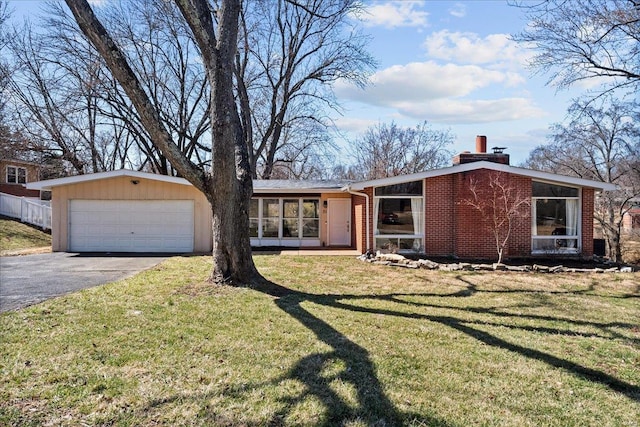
(466, 167)
(77, 179)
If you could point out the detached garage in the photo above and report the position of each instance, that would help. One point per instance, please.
(128, 211)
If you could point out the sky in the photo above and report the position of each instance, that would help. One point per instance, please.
(450, 63)
(453, 64)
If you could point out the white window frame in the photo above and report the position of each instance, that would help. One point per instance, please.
(260, 240)
(559, 248)
(17, 170)
(397, 237)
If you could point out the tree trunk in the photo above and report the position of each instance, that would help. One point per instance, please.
(229, 186)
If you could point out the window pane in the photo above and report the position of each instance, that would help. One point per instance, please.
(414, 245)
(290, 208)
(310, 228)
(399, 216)
(270, 227)
(405, 189)
(556, 217)
(22, 176)
(270, 208)
(290, 227)
(555, 244)
(11, 175)
(270, 217)
(542, 189)
(253, 208)
(253, 227)
(390, 245)
(310, 209)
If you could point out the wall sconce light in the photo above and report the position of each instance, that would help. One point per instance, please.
(135, 181)
(324, 204)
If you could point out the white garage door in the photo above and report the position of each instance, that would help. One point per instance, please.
(131, 226)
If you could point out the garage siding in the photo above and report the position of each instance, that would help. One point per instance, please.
(123, 188)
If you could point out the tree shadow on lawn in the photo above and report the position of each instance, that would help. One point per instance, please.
(373, 406)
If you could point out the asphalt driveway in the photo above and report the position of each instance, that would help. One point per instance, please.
(30, 279)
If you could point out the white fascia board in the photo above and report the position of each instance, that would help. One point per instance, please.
(275, 191)
(51, 183)
(466, 167)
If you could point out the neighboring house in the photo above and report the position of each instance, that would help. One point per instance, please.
(15, 174)
(127, 211)
(631, 221)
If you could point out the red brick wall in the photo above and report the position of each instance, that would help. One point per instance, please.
(474, 237)
(520, 240)
(454, 228)
(439, 213)
(588, 196)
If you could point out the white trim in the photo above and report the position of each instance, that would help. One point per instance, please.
(577, 237)
(466, 167)
(50, 183)
(367, 216)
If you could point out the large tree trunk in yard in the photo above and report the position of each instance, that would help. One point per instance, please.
(231, 173)
(228, 187)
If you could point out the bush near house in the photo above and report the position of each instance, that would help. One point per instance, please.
(334, 341)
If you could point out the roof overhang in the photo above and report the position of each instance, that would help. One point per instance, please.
(58, 182)
(466, 167)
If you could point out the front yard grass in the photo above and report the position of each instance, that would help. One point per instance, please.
(17, 236)
(340, 342)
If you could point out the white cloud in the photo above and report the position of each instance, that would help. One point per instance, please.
(461, 111)
(470, 48)
(396, 14)
(354, 125)
(458, 10)
(418, 81)
(438, 93)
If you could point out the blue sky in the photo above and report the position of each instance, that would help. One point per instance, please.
(450, 63)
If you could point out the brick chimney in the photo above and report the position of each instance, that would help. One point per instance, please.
(498, 156)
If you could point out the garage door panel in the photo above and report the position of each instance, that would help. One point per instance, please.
(131, 225)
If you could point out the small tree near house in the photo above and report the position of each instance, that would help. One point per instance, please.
(500, 203)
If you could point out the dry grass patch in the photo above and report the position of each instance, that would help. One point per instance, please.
(348, 343)
(15, 236)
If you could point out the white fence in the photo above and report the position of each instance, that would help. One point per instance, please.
(27, 210)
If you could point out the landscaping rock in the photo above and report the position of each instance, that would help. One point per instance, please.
(626, 270)
(430, 265)
(389, 257)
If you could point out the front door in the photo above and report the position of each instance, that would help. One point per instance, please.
(339, 222)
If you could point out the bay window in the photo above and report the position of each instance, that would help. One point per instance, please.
(555, 218)
(399, 217)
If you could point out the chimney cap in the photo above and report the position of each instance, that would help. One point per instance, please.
(498, 150)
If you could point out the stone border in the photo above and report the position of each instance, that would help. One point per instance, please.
(396, 260)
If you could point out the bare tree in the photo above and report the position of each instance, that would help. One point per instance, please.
(500, 204)
(600, 141)
(390, 150)
(228, 186)
(159, 46)
(290, 54)
(585, 40)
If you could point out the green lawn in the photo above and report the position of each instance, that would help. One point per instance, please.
(17, 236)
(336, 342)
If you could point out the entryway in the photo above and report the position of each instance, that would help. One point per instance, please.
(339, 222)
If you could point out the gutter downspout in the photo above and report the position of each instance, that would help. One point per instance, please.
(366, 197)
